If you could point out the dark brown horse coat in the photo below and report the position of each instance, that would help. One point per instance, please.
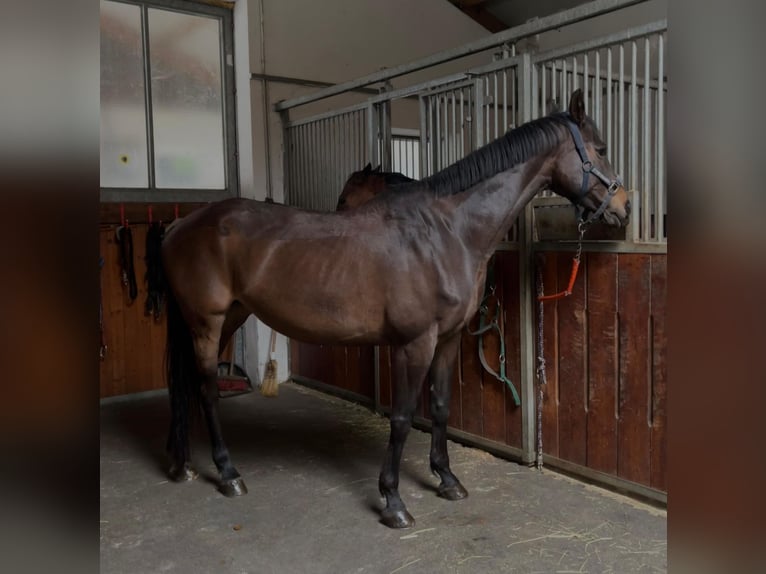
(419, 255)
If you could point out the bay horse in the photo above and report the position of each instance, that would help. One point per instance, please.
(419, 253)
(363, 185)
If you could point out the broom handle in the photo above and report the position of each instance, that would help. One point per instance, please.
(273, 343)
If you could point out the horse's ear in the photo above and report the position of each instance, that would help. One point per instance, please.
(377, 169)
(552, 106)
(367, 168)
(577, 107)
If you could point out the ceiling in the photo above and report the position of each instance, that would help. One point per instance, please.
(497, 15)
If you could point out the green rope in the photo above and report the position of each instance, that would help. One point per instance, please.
(489, 290)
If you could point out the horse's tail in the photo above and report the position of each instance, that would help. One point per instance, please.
(183, 378)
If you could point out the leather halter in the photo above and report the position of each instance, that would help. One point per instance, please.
(587, 167)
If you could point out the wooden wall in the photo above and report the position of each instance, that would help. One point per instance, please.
(605, 351)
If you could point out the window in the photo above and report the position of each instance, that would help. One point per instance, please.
(167, 102)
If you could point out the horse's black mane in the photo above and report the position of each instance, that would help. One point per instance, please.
(395, 178)
(515, 147)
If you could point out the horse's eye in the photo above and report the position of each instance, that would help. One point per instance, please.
(601, 151)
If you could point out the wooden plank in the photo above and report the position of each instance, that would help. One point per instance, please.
(659, 343)
(634, 283)
(511, 323)
(337, 374)
(114, 311)
(366, 371)
(550, 426)
(572, 365)
(385, 376)
(471, 381)
(295, 360)
(455, 419)
(602, 362)
(493, 391)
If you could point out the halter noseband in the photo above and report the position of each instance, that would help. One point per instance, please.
(587, 167)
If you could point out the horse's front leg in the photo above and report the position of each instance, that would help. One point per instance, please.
(231, 484)
(440, 379)
(410, 365)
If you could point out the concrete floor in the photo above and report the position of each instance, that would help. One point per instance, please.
(311, 463)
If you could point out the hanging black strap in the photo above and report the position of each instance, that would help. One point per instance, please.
(155, 278)
(125, 241)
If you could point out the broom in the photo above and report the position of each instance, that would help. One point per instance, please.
(270, 386)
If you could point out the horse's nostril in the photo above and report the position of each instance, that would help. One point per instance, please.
(627, 207)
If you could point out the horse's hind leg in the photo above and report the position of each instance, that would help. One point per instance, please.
(411, 364)
(207, 347)
(440, 378)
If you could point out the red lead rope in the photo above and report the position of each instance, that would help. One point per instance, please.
(572, 275)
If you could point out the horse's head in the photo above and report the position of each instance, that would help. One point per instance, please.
(360, 187)
(582, 173)
(365, 184)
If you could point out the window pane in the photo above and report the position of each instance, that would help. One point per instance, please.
(185, 54)
(123, 107)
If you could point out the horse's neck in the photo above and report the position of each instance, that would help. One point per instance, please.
(489, 209)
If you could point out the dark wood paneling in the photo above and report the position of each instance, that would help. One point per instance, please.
(602, 362)
(633, 305)
(471, 381)
(511, 332)
(493, 391)
(572, 365)
(550, 426)
(385, 377)
(659, 373)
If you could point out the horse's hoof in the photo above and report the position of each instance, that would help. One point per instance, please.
(233, 487)
(453, 491)
(397, 518)
(182, 474)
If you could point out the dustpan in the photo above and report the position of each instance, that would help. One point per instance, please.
(232, 378)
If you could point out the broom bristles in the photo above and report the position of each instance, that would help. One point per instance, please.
(270, 386)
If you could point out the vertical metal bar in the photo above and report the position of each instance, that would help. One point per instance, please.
(495, 102)
(535, 92)
(372, 135)
(597, 92)
(478, 113)
(564, 86)
(660, 209)
(554, 93)
(634, 129)
(621, 113)
(575, 81)
(585, 81)
(505, 101)
(514, 87)
(543, 90)
(454, 127)
(462, 122)
(526, 305)
(423, 103)
(487, 130)
(646, 188)
(610, 127)
(151, 167)
(432, 144)
(439, 161)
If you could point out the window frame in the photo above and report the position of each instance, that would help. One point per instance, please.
(151, 193)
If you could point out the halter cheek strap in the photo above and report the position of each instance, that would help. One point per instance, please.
(587, 167)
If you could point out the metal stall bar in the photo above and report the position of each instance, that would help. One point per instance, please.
(645, 155)
(526, 303)
(660, 172)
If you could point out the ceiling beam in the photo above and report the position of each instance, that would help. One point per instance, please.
(475, 10)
